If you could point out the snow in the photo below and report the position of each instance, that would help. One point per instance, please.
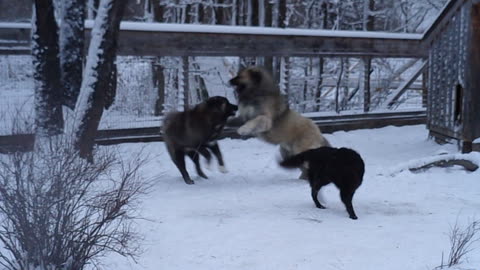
(477, 140)
(9, 25)
(259, 216)
(245, 30)
(255, 30)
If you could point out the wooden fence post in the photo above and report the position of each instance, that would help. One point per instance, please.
(471, 96)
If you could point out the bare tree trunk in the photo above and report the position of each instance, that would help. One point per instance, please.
(282, 13)
(324, 9)
(48, 94)
(240, 12)
(269, 60)
(279, 21)
(184, 82)
(366, 83)
(254, 16)
(321, 60)
(71, 49)
(159, 84)
(248, 19)
(100, 75)
(368, 18)
(318, 93)
(286, 76)
(200, 85)
(305, 89)
(158, 76)
(261, 12)
(251, 19)
(219, 12)
(425, 87)
(92, 7)
(234, 12)
(187, 14)
(346, 85)
(339, 82)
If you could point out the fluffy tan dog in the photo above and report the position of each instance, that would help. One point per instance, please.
(265, 114)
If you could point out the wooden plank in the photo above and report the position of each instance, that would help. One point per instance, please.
(250, 42)
(471, 109)
(403, 87)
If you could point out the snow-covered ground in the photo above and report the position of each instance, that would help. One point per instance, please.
(259, 216)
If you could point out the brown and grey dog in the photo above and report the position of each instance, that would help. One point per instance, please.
(195, 132)
(264, 113)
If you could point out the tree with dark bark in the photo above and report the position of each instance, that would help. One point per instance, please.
(45, 50)
(71, 43)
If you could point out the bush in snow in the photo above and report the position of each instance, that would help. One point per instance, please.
(58, 211)
(461, 243)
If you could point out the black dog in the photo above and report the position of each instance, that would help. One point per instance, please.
(342, 166)
(195, 132)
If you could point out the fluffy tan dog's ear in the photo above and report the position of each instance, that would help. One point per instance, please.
(255, 75)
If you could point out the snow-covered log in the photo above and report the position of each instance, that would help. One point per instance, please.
(48, 95)
(99, 78)
(469, 162)
(444, 163)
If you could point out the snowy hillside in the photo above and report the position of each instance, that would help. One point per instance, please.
(259, 216)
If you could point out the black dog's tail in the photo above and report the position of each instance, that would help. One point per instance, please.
(295, 161)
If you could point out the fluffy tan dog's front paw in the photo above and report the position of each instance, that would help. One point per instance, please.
(244, 130)
(256, 126)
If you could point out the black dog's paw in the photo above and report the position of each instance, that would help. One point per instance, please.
(202, 175)
(189, 181)
(353, 217)
(321, 206)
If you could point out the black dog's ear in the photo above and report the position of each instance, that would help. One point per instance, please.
(255, 75)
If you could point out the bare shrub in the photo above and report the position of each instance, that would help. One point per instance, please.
(57, 211)
(461, 243)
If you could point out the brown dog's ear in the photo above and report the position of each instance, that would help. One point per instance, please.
(255, 75)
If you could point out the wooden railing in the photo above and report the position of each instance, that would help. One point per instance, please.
(158, 39)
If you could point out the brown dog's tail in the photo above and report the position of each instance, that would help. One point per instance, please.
(294, 161)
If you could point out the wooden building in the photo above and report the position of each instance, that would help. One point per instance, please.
(453, 110)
